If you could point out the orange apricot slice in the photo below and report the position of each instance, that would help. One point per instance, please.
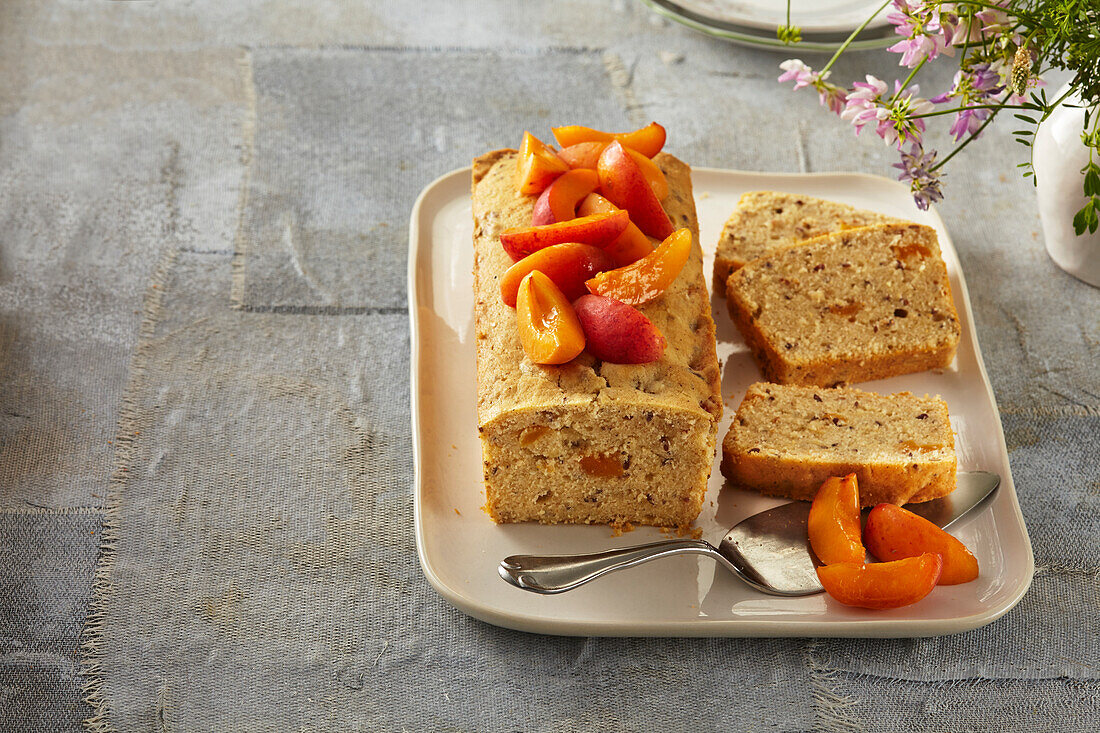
(834, 521)
(644, 280)
(882, 585)
(647, 140)
(548, 327)
(893, 533)
(537, 166)
(631, 245)
(569, 265)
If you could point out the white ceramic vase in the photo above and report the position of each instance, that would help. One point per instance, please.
(1059, 156)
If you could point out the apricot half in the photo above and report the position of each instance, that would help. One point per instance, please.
(647, 140)
(569, 265)
(834, 521)
(644, 280)
(882, 585)
(548, 327)
(623, 184)
(893, 533)
(598, 230)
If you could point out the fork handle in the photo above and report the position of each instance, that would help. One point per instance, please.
(559, 573)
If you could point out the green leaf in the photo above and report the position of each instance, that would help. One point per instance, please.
(1092, 181)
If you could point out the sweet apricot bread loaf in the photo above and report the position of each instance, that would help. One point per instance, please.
(591, 441)
(766, 220)
(847, 307)
(786, 440)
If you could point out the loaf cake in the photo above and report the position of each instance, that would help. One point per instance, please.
(846, 307)
(786, 440)
(591, 441)
(766, 220)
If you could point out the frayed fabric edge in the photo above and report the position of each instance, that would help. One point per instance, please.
(129, 426)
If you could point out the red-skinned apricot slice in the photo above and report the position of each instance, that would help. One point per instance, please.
(646, 279)
(587, 155)
(548, 327)
(834, 521)
(569, 265)
(599, 230)
(882, 585)
(617, 333)
(623, 184)
(647, 140)
(893, 533)
(537, 165)
(631, 245)
(559, 201)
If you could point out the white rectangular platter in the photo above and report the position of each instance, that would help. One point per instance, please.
(460, 547)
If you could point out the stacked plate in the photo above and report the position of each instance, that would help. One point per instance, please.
(825, 24)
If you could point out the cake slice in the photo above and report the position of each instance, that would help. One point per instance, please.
(851, 306)
(786, 440)
(591, 441)
(766, 220)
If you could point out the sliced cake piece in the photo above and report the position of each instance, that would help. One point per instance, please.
(847, 307)
(765, 220)
(786, 440)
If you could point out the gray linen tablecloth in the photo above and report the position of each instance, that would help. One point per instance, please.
(205, 483)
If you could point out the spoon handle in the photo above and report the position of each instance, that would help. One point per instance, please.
(559, 573)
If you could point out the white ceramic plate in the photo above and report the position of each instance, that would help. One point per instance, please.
(459, 546)
(825, 24)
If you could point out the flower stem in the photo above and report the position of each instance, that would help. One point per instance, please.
(965, 142)
(852, 37)
(937, 113)
(907, 80)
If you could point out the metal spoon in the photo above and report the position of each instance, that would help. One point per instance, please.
(769, 551)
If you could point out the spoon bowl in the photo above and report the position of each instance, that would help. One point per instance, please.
(770, 550)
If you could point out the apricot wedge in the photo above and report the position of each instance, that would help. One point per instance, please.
(568, 265)
(583, 155)
(631, 245)
(893, 533)
(598, 230)
(548, 327)
(559, 201)
(644, 280)
(882, 585)
(587, 155)
(834, 521)
(647, 140)
(616, 333)
(623, 184)
(537, 165)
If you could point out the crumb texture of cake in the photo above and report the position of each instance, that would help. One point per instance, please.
(848, 307)
(786, 440)
(766, 220)
(591, 441)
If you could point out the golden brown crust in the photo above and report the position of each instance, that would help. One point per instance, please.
(548, 431)
(897, 456)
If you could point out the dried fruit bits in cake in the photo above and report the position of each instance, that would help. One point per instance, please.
(847, 307)
(786, 440)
